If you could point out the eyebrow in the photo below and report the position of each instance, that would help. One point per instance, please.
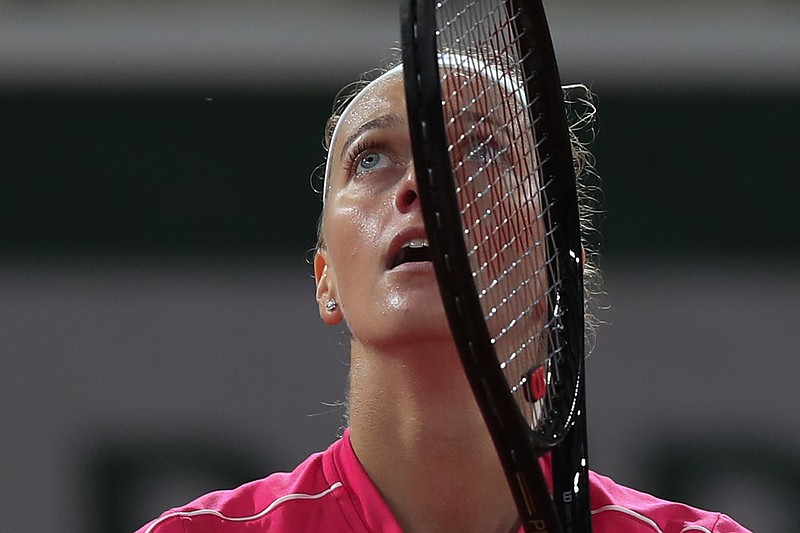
(478, 118)
(383, 121)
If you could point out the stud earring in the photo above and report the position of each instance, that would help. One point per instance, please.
(331, 305)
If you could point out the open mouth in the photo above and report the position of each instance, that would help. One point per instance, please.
(414, 251)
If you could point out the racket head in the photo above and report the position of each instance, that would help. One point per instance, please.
(495, 171)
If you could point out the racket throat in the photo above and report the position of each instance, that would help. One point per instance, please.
(535, 521)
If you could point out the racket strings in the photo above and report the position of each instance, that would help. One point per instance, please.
(502, 195)
(490, 283)
(482, 219)
(522, 289)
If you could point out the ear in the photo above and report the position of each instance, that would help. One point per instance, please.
(326, 289)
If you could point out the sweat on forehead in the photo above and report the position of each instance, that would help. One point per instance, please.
(353, 112)
(356, 110)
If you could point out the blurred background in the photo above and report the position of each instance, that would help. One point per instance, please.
(158, 331)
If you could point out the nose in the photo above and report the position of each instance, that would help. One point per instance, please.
(407, 195)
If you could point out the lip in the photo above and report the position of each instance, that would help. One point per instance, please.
(402, 237)
(417, 266)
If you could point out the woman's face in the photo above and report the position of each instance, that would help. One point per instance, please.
(374, 261)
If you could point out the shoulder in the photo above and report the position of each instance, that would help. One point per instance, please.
(619, 508)
(281, 501)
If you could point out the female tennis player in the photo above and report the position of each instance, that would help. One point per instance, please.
(416, 455)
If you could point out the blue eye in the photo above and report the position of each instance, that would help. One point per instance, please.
(371, 161)
(482, 153)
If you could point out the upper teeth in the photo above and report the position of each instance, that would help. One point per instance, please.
(417, 243)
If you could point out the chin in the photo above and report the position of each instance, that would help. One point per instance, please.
(410, 329)
(427, 327)
(423, 311)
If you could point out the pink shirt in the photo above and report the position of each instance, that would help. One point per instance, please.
(330, 492)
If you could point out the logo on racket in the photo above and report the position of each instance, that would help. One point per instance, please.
(535, 386)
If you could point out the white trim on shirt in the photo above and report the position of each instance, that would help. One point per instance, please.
(644, 519)
(283, 499)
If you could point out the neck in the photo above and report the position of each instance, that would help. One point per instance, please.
(418, 432)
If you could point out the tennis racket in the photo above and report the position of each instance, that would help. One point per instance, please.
(497, 185)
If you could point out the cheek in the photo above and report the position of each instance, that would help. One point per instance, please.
(351, 238)
(351, 231)
(365, 225)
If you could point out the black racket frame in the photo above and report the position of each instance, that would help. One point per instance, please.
(517, 446)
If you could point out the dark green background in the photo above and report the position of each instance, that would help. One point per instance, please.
(219, 172)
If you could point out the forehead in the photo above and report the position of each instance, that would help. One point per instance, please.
(465, 85)
(382, 97)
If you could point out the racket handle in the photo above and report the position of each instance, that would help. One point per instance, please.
(571, 476)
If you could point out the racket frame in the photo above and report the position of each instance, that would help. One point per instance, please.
(517, 449)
